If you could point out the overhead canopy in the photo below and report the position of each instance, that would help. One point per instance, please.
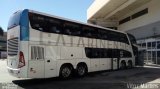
(112, 9)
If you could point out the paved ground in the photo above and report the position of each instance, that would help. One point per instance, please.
(101, 80)
(4, 76)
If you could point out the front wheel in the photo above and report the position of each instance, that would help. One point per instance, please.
(81, 70)
(130, 64)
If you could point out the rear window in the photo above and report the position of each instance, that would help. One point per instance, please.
(14, 20)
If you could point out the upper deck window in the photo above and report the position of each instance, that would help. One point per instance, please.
(72, 29)
(45, 23)
(49, 24)
(90, 32)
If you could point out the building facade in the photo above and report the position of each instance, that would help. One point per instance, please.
(3, 46)
(140, 18)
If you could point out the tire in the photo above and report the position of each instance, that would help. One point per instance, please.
(65, 72)
(130, 64)
(123, 65)
(81, 70)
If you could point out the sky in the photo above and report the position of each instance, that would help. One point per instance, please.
(71, 9)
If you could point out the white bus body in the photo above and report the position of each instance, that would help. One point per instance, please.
(44, 46)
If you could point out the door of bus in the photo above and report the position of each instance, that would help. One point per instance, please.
(36, 61)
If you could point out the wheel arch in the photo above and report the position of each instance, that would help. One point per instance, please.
(123, 61)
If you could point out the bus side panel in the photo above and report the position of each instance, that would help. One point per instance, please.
(52, 54)
(105, 64)
(94, 64)
(70, 55)
(109, 65)
(36, 69)
(35, 35)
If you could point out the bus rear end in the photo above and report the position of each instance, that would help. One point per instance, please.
(16, 62)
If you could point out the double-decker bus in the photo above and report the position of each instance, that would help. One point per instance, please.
(40, 45)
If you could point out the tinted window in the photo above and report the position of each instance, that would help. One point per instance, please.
(45, 24)
(149, 45)
(54, 25)
(89, 32)
(95, 53)
(153, 45)
(125, 54)
(123, 38)
(132, 39)
(14, 20)
(114, 36)
(158, 54)
(72, 29)
(106, 53)
(102, 34)
(158, 45)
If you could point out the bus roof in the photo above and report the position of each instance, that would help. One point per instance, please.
(74, 21)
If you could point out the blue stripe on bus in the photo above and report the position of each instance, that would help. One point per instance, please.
(24, 26)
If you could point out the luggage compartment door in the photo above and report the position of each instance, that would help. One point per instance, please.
(36, 61)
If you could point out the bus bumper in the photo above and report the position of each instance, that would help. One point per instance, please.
(14, 72)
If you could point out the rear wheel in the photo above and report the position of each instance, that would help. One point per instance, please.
(130, 64)
(65, 72)
(123, 65)
(81, 70)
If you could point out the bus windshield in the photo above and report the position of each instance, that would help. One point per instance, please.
(132, 39)
(14, 20)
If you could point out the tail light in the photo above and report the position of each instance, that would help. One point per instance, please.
(21, 60)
